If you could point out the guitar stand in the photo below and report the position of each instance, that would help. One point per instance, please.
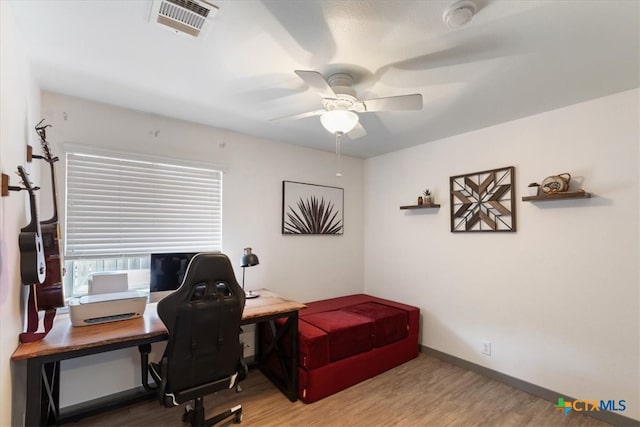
(6, 187)
(31, 156)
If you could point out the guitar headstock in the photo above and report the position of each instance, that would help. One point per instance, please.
(41, 129)
(24, 177)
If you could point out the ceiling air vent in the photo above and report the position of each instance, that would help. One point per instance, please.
(183, 16)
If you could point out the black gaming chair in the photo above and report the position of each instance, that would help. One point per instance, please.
(204, 352)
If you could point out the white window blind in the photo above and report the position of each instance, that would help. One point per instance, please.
(119, 206)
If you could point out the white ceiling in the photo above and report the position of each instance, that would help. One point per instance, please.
(514, 59)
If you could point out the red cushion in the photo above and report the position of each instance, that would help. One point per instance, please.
(335, 304)
(349, 333)
(318, 383)
(390, 324)
(313, 346)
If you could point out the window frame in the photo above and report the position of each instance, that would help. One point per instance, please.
(75, 285)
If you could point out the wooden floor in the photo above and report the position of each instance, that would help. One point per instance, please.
(423, 392)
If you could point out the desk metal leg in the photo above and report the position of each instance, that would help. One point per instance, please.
(33, 403)
(43, 393)
(293, 383)
(288, 365)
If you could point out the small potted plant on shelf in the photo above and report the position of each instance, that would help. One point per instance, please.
(534, 189)
(427, 197)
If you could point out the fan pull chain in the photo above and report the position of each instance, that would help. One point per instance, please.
(338, 135)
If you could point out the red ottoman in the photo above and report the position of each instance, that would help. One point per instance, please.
(313, 346)
(345, 340)
(349, 333)
(389, 323)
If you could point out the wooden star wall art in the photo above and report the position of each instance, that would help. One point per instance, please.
(483, 201)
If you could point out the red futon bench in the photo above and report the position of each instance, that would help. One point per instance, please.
(346, 340)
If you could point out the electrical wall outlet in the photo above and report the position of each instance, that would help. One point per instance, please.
(486, 348)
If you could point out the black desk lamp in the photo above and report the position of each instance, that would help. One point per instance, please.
(249, 259)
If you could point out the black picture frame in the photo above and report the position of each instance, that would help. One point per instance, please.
(312, 209)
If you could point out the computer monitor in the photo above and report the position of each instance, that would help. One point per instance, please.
(168, 270)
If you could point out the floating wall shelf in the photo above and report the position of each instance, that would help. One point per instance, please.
(580, 194)
(430, 206)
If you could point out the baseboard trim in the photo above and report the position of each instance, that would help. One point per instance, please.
(541, 392)
(79, 411)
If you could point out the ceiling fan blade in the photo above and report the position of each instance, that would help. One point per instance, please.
(451, 61)
(315, 80)
(300, 115)
(357, 132)
(395, 103)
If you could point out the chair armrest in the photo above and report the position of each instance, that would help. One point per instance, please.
(243, 369)
(144, 350)
(158, 374)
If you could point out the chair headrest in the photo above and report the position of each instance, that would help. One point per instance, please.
(209, 276)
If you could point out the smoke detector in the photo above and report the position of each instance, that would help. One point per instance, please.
(459, 13)
(183, 16)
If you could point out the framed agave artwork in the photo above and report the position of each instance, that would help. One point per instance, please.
(312, 209)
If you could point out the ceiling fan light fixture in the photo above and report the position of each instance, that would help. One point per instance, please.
(459, 13)
(339, 121)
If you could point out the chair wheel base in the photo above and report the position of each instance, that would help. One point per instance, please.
(195, 416)
(187, 411)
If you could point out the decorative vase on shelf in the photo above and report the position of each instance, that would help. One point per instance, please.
(420, 201)
(426, 194)
(534, 190)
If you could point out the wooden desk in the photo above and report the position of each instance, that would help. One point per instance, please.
(68, 342)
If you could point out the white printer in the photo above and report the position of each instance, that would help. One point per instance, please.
(108, 301)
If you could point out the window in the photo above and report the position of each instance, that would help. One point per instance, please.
(119, 211)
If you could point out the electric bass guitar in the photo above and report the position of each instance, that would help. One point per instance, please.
(51, 293)
(33, 269)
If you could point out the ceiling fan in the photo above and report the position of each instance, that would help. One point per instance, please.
(341, 106)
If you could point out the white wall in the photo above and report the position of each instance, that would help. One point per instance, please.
(558, 299)
(303, 268)
(19, 112)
